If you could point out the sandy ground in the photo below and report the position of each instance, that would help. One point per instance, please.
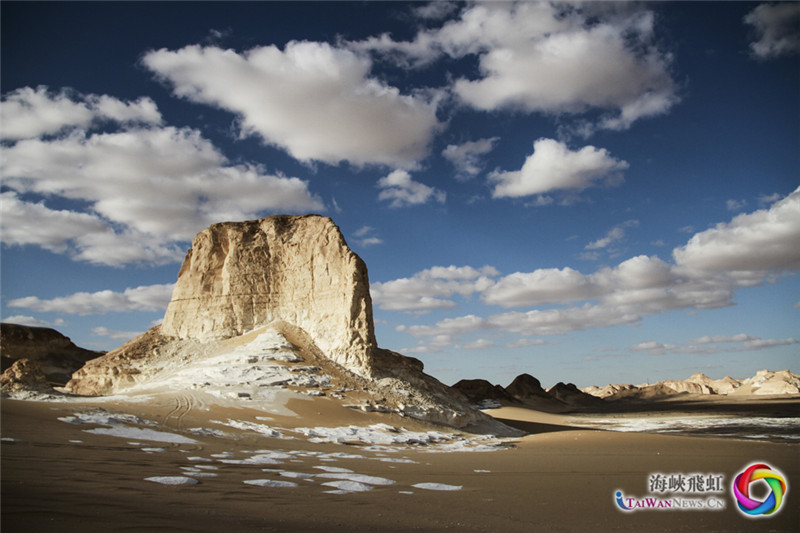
(58, 477)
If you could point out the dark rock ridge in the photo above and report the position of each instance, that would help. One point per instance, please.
(46, 350)
(525, 390)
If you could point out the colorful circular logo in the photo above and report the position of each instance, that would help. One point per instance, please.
(741, 490)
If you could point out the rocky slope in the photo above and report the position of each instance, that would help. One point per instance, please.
(293, 277)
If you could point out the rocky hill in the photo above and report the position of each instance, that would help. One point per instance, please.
(41, 351)
(281, 284)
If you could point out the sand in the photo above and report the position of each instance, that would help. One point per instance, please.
(57, 476)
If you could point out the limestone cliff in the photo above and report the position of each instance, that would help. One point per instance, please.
(298, 269)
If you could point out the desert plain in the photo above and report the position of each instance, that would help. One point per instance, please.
(60, 474)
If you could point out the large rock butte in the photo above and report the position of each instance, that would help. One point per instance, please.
(297, 269)
(294, 275)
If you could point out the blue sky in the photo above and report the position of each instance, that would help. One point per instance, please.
(595, 193)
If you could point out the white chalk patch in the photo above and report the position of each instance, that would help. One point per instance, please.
(10, 439)
(270, 483)
(172, 480)
(154, 450)
(333, 469)
(348, 486)
(263, 429)
(482, 471)
(436, 486)
(206, 432)
(223, 455)
(296, 475)
(199, 459)
(143, 434)
(359, 478)
(75, 441)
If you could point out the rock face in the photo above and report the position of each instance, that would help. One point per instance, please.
(54, 355)
(298, 269)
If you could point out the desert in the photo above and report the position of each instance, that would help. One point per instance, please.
(262, 402)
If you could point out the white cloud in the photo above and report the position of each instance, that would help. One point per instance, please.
(431, 289)
(366, 238)
(777, 27)
(477, 344)
(766, 240)
(402, 191)
(542, 286)
(147, 190)
(101, 331)
(708, 345)
(653, 347)
(541, 57)
(614, 234)
(449, 327)
(735, 205)
(553, 166)
(313, 100)
(560, 321)
(27, 320)
(27, 113)
(466, 158)
(34, 223)
(143, 298)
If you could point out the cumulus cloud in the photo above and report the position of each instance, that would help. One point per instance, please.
(402, 191)
(431, 288)
(777, 27)
(143, 298)
(766, 240)
(27, 112)
(34, 223)
(706, 274)
(554, 167)
(315, 101)
(467, 157)
(146, 192)
(540, 57)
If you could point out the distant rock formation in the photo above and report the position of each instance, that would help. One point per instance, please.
(764, 383)
(294, 275)
(527, 391)
(478, 391)
(525, 387)
(572, 395)
(46, 350)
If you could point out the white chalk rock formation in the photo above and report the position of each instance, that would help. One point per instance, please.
(297, 269)
(287, 277)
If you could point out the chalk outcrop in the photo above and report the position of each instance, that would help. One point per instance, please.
(297, 269)
(289, 277)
